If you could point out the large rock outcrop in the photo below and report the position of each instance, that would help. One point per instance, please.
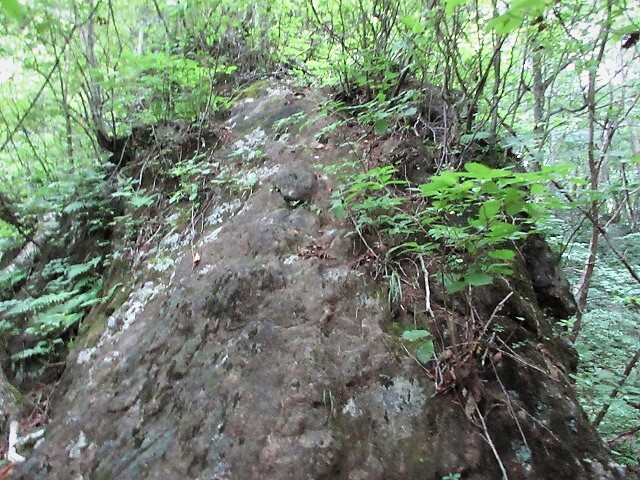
(258, 347)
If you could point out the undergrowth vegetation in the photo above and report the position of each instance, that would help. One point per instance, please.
(467, 219)
(609, 389)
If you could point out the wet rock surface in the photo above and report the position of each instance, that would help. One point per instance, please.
(268, 357)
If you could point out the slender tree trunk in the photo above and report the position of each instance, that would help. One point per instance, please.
(538, 89)
(595, 159)
(92, 88)
(497, 79)
(67, 112)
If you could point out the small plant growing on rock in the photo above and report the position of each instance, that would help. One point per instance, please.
(472, 217)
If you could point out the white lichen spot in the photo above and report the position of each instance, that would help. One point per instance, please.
(336, 274)
(251, 140)
(218, 213)
(352, 409)
(256, 137)
(85, 355)
(170, 241)
(111, 357)
(162, 264)
(367, 301)
(273, 91)
(402, 397)
(212, 236)
(206, 269)
(172, 218)
(122, 319)
(221, 471)
(290, 260)
(75, 448)
(284, 138)
(223, 361)
(263, 173)
(316, 439)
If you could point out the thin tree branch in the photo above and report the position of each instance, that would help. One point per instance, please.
(614, 393)
(47, 80)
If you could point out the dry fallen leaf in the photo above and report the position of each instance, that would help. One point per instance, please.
(196, 259)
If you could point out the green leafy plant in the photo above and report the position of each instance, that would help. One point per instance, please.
(477, 214)
(425, 346)
(68, 294)
(452, 476)
(474, 216)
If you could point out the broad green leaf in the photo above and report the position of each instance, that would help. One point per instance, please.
(381, 126)
(502, 254)
(466, 185)
(439, 183)
(338, 209)
(450, 5)
(488, 211)
(425, 351)
(12, 7)
(503, 230)
(490, 187)
(500, 268)
(413, 335)
(478, 278)
(538, 188)
(506, 23)
(478, 170)
(481, 171)
(515, 206)
(456, 287)
(409, 112)
(528, 5)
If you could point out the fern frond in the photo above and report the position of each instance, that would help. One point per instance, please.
(9, 278)
(20, 307)
(7, 304)
(49, 299)
(76, 206)
(74, 271)
(42, 348)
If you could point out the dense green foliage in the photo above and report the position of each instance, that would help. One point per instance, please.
(556, 81)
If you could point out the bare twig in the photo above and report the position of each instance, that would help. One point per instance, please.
(427, 290)
(487, 438)
(495, 312)
(620, 436)
(47, 80)
(614, 393)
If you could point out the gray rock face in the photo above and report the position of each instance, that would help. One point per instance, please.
(268, 359)
(296, 184)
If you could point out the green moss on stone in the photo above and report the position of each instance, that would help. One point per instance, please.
(252, 90)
